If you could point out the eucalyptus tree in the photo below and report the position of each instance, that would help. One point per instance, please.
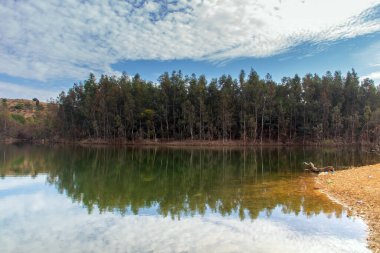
(312, 108)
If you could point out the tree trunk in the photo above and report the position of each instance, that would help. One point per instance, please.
(262, 124)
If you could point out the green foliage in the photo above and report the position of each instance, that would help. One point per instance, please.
(19, 118)
(299, 109)
(19, 106)
(37, 101)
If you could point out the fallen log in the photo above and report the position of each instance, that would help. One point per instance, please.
(312, 168)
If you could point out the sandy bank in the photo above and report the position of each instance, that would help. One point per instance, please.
(359, 190)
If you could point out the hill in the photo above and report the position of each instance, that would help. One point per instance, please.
(23, 118)
(24, 110)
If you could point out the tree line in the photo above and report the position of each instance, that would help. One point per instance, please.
(250, 108)
(329, 108)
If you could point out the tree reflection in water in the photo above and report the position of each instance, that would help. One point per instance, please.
(178, 182)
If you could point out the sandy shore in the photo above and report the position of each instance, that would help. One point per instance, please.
(359, 190)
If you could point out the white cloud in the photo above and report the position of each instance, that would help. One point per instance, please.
(44, 40)
(374, 76)
(11, 90)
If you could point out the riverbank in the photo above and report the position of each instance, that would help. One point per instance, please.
(359, 190)
(187, 143)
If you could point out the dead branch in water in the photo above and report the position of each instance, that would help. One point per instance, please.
(312, 168)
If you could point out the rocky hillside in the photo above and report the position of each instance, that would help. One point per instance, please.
(24, 111)
(24, 119)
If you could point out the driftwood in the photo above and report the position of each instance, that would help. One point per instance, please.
(312, 168)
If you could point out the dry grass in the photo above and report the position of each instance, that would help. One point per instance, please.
(26, 108)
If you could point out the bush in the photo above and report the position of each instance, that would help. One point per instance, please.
(18, 118)
(37, 101)
(19, 106)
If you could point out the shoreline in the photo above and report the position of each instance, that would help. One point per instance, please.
(186, 143)
(358, 190)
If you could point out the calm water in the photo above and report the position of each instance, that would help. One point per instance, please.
(75, 199)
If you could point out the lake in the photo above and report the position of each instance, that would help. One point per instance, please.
(150, 199)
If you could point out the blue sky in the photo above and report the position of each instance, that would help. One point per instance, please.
(46, 46)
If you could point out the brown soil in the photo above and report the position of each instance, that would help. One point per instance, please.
(28, 107)
(359, 190)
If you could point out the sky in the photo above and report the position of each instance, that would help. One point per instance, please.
(47, 46)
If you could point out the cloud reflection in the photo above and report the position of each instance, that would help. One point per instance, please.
(46, 221)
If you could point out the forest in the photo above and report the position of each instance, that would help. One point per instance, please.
(333, 108)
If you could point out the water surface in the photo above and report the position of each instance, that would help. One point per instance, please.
(75, 199)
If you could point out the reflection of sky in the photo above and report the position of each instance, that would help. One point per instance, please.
(35, 218)
(17, 185)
